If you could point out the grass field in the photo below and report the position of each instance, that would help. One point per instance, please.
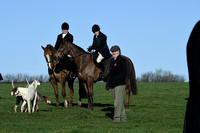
(158, 108)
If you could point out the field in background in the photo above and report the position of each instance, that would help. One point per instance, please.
(158, 107)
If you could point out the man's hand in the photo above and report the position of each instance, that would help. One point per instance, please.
(90, 48)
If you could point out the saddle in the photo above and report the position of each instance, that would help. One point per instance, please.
(104, 66)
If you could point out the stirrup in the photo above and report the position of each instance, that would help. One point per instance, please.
(72, 75)
(101, 77)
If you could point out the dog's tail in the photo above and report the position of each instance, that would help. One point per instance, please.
(27, 82)
(13, 84)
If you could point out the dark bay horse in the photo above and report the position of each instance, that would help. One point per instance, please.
(58, 73)
(89, 72)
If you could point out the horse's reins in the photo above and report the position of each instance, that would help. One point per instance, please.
(50, 61)
(79, 55)
(62, 51)
(72, 57)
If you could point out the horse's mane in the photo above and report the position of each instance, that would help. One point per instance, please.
(79, 48)
(49, 46)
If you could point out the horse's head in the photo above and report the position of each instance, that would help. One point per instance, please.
(49, 54)
(62, 50)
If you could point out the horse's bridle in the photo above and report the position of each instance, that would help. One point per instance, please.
(50, 61)
(57, 58)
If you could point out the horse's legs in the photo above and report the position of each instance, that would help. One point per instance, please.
(55, 86)
(90, 94)
(64, 92)
(81, 86)
(127, 95)
(71, 90)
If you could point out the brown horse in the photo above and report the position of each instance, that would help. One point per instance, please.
(89, 72)
(58, 73)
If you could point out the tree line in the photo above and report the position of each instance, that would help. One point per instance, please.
(158, 76)
(161, 76)
(21, 78)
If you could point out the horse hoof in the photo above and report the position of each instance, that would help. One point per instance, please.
(57, 104)
(70, 105)
(79, 104)
(90, 107)
(65, 104)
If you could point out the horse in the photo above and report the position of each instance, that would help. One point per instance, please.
(90, 73)
(58, 73)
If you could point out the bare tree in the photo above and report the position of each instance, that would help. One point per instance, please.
(160, 76)
(19, 78)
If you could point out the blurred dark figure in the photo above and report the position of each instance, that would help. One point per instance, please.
(192, 116)
(1, 78)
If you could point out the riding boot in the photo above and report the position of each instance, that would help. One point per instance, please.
(101, 66)
(73, 74)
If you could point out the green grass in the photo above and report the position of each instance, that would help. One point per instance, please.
(158, 108)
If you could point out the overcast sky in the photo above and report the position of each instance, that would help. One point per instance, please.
(152, 33)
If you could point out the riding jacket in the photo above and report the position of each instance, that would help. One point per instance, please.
(68, 37)
(100, 44)
(118, 72)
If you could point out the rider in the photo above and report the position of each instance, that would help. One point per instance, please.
(65, 34)
(68, 37)
(100, 45)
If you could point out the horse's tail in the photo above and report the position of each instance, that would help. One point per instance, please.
(132, 76)
(133, 80)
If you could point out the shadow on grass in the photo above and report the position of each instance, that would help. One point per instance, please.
(84, 105)
(108, 108)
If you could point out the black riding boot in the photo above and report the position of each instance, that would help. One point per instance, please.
(101, 66)
(73, 74)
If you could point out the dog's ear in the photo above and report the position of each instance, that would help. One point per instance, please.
(34, 84)
(16, 92)
(38, 82)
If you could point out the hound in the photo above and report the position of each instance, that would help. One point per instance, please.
(40, 97)
(28, 94)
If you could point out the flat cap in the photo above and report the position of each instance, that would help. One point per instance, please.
(114, 48)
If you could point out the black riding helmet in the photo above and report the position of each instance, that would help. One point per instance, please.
(95, 28)
(65, 26)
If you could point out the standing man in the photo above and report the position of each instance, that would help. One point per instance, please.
(117, 82)
(65, 34)
(192, 115)
(100, 45)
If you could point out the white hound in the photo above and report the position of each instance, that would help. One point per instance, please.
(28, 94)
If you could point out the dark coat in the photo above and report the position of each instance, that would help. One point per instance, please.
(100, 44)
(192, 116)
(68, 37)
(1, 78)
(118, 73)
